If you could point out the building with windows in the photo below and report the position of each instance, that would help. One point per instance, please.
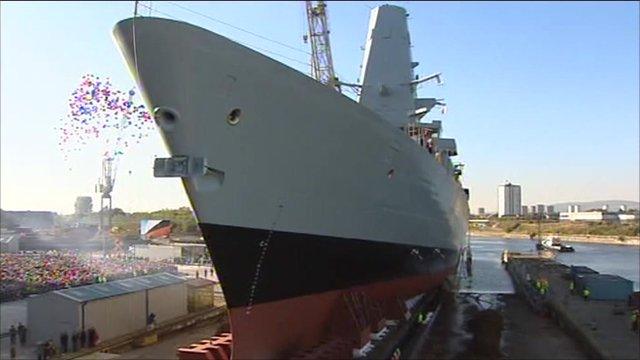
(524, 211)
(509, 200)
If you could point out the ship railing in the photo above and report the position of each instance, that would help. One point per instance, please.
(422, 135)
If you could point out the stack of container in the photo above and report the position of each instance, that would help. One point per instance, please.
(604, 286)
(575, 270)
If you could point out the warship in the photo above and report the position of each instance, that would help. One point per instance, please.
(324, 216)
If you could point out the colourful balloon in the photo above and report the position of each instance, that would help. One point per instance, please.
(109, 115)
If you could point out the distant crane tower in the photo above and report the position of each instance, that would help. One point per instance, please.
(105, 187)
(321, 60)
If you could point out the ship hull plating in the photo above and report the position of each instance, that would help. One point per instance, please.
(308, 196)
(287, 328)
(259, 266)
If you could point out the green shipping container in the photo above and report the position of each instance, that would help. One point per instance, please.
(605, 286)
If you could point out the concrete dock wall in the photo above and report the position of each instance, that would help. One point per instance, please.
(601, 327)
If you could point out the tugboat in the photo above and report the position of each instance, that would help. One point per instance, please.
(553, 243)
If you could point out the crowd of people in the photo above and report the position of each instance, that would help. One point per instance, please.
(29, 273)
(48, 349)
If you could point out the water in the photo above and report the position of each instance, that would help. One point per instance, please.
(490, 276)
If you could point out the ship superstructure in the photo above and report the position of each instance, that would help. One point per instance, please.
(322, 215)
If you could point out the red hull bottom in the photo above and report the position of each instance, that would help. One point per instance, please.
(162, 232)
(288, 327)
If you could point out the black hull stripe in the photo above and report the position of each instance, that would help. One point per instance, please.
(297, 264)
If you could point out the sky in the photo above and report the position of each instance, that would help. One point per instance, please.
(543, 94)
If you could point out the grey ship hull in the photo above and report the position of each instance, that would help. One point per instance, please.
(308, 197)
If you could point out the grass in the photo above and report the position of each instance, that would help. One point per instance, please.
(129, 223)
(622, 230)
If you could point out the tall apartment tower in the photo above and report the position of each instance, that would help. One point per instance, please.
(509, 200)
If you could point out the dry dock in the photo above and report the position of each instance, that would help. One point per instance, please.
(556, 324)
(601, 327)
(455, 333)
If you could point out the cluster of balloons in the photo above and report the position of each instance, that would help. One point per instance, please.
(100, 114)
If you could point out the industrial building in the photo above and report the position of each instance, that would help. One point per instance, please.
(171, 251)
(9, 242)
(549, 209)
(113, 309)
(587, 215)
(157, 252)
(509, 200)
(596, 216)
(524, 211)
(83, 205)
(603, 214)
(36, 220)
(627, 217)
(481, 211)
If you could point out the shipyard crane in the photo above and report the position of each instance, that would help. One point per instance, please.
(321, 60)
(104, 188)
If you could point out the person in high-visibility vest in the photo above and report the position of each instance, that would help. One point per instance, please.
(396, 354)
(572, 287)
(585, 294)
(422, 318)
